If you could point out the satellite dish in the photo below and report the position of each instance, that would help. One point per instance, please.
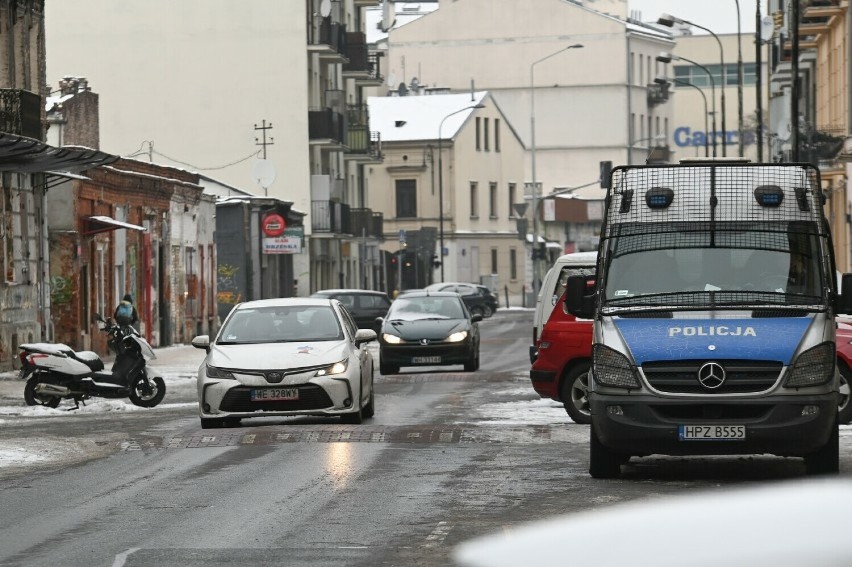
(767, 28)
(325, 8)
(263, 173)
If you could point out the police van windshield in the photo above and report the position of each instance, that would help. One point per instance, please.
(696, 265)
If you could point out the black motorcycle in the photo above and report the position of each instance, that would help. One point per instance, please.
(56, 371)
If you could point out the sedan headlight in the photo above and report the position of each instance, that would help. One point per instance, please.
(336, 368)
(813, 367)
(391, 339)
(213, 372)
(457, 337)
(611, 368)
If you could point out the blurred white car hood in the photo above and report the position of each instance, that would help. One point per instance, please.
(272, 356)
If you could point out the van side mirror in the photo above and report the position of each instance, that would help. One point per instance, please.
(578, 300)
(843, 301)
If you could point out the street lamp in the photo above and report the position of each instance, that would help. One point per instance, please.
(661, 80)
(668, 58)
(532, 156)
(441, 182)
(669, 21)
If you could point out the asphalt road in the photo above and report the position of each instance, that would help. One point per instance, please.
(449, 456)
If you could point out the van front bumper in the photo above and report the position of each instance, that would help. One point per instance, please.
(776, 425)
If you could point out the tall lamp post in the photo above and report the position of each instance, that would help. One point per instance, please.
(670, 21)
(664, 80)
(668, 58)
(441, 182)
(532, 156)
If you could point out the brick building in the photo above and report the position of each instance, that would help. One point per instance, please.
(132, 228)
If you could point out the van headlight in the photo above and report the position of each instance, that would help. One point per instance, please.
(611, 368)
(336, 368)
(813, 367)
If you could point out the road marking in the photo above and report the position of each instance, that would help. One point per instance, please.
(121, 558)
(438, 535)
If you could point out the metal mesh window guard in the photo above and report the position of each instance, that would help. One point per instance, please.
(714, 236)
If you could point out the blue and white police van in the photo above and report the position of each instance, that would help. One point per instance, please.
(714, 316)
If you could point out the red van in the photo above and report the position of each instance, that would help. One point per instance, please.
(561, 370)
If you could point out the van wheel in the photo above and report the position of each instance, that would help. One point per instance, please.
(603, 463)
(827, 459)
(844, 408)
(575, 394)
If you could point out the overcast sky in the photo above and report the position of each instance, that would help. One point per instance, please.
(720, 16)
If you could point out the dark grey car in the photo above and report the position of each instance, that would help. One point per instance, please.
(364, 305)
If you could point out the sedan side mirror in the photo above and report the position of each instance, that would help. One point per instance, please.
(577, 301)
(364, 336)
(202, 342)
(475, 318)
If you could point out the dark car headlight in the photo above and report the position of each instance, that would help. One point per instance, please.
(391, 339)
(213, 372)
(457, 337)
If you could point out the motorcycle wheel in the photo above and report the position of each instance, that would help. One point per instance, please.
(144, 396)
(34, 399)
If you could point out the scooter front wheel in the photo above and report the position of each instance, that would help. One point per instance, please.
(147, 393)
(34, 399)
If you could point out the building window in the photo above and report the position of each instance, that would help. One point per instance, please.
(513, 264)
(478, 134)
(494, 261)
(697, 76)
(512, 189)
(406, 198)
(492, 200)
(474, 200)
(496, 134)
(485, 134)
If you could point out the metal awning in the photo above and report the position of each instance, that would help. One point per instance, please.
(98, 224)
(54, 178)
(20, 154)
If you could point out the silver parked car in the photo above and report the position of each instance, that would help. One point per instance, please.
(284, 357)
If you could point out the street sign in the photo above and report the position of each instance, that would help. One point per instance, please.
(520, 208)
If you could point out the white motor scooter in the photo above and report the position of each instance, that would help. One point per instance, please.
(56, 371)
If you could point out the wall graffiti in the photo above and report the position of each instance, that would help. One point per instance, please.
(228, 289)
(61, 290)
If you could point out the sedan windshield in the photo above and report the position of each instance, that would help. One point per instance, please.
(695, 267)
(430, 307)
(281, 324)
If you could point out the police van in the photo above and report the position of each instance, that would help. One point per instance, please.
(714, 316)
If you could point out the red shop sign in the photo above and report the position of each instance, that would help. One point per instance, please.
(273, 225)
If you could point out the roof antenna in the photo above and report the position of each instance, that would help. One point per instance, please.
(472, 98)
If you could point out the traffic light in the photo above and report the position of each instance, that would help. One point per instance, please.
(540, 252)
(778, 20)
(435, 262)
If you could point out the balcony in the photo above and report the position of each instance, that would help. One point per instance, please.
(20, 113)
(330, 217)
(328, 39)
(367, 223)
(363, 144)
(326, 128)
(362, 66)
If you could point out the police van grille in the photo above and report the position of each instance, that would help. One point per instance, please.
(741, 376)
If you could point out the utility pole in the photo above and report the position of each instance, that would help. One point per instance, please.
(263, 128)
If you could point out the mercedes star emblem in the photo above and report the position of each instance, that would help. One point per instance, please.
(711, 375)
